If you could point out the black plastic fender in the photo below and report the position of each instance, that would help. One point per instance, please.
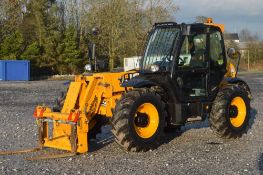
(239, 81)
(138, 82)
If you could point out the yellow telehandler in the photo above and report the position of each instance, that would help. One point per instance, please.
(184, 76)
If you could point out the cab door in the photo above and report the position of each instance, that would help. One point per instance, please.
(191, 70)
(217, 59)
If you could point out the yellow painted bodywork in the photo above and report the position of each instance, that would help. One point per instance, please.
(87, 97)
(239, 120)
(231, 70)
(153, 120)
(210, 22)
(221, 26)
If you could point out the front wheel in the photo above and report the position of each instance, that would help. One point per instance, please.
(230, 112)
(139, 120)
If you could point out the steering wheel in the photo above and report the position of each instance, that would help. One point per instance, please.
(181, 61)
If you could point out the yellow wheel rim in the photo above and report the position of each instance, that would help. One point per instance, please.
(146, 120)
(237, 111)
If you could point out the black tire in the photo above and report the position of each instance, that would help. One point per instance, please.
(100, 122)
(246, 88)
(169, 128)
(124, 124)
(222, 112)
(172, 128)
(59, 102)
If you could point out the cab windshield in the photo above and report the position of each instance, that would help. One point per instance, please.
(159, 48)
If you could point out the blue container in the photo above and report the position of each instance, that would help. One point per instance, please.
(14, 70)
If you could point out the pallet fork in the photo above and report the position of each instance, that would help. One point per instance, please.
(87, 97)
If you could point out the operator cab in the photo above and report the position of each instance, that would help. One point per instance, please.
(193, 55)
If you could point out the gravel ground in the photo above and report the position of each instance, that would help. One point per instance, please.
(195, 150)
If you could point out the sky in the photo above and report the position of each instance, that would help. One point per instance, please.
(235, 14)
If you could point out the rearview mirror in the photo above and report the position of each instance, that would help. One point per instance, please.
(232, 53)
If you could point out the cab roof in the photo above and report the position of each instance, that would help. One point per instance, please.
(195, 25)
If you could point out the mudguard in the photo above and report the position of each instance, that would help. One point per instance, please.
(138, 82)
(230, 80)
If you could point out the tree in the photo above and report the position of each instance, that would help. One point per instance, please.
(44, 19)
(124, 23)
(32, 52)
(70, 55)
(245, 35)
(253, 46)
(12, 46)
(54, 35)
(37, 11)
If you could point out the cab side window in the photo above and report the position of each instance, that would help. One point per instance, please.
(193, 52)
(216, 50)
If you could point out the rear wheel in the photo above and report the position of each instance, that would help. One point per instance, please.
(138, 121)
(230, 112)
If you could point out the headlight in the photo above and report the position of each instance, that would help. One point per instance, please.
(88, 67)
(155, 68)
